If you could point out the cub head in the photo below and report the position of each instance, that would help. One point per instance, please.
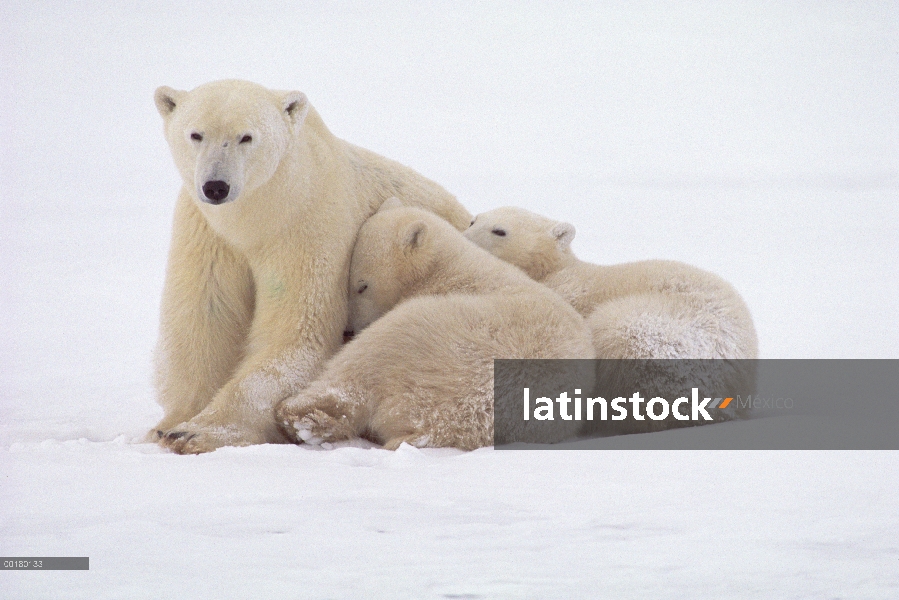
(395, 248)
(535, 244)
(228, 137)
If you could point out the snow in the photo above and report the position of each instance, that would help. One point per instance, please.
(755, 140)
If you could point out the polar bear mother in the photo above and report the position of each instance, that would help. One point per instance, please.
(255, 296)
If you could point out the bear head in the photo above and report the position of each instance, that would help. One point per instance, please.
(395, 248)
(537, 245)
(228, 137)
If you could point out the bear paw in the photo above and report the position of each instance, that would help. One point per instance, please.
(194, 438)
(314, 426)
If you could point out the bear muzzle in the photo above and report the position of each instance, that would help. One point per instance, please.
(215, 192)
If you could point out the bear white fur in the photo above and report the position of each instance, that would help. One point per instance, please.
(441, 309)
(652, 309)
(255, 296)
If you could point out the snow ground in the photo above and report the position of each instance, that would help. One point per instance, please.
(755, 140)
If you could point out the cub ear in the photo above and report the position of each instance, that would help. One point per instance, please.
(564, 233)
(414, 235)
(167, 99)
(295, 105)
(390, 203)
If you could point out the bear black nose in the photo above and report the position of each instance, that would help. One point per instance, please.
(216, 191)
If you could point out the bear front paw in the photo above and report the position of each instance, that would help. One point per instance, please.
(194, 438)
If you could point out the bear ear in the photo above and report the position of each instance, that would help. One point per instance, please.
(390, 203)
(167, 99)
(295, 105)
(414, 235)
(563, 233)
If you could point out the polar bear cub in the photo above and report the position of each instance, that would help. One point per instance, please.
(431, 312)
(653, 309)
(646, 310)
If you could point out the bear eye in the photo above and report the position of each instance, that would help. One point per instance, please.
(246, 139)
(196, 136)
(499, 232)
(362, 288)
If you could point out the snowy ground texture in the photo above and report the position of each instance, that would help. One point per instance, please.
(756, 140)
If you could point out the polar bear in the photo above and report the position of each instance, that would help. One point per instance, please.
(440, 309)
(255, 295)
(652, 309)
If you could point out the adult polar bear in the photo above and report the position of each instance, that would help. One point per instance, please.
(255, 297)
